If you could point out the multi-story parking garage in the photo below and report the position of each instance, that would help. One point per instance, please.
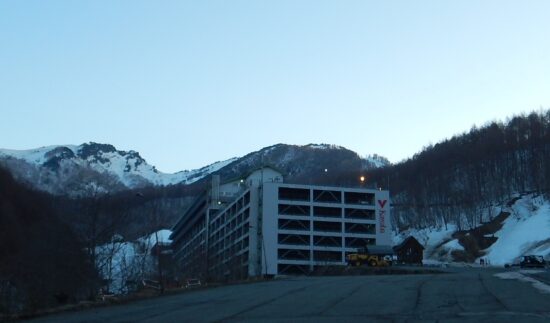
(260, 225)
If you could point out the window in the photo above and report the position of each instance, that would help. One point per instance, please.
(294, 194)
(327, 255)
(327, 226)
(285, 224)
(327, 196)
(359, 214)
(294, 239)
(330, 212)
(359, 198)
(327, 241)
(359, 242)
(300, 210)
(360, 228)
(292, 254)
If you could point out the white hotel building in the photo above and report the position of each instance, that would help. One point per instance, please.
(260, 225)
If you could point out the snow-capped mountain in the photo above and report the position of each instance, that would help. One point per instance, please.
(92, 167)
(71, 169)
(313, 163)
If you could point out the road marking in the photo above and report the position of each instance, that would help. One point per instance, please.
(519, 275)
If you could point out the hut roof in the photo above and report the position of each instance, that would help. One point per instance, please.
(408, 240)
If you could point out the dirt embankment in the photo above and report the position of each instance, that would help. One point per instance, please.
(476, 240)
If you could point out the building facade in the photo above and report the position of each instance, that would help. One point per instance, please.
(260, 225)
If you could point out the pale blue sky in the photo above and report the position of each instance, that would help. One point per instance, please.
(187, 83)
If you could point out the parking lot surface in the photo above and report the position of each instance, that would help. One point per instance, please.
(460, 295)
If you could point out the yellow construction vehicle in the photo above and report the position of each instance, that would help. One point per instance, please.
(363, 256)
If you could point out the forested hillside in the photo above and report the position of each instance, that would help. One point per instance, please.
(42, 262)
(455, 181)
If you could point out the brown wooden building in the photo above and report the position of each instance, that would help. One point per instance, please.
(410, 251)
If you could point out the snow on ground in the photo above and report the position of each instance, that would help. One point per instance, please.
(121, 261)
(526, 231)
(429, 237)
(521, 276)
(438, 243)
(454, 245)
(163, 236)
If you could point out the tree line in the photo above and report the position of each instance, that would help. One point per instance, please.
(42, 261)
(58, 249)
(458, 179)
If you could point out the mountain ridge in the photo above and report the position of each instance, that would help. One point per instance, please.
(92, 168)
(112, 169)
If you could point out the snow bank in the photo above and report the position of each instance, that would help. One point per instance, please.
(162, 235)
(121, 261)
(428, 237)
(526, 231)
(522, 277)
(438, 242)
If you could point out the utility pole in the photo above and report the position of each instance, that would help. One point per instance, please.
(158, 251)
(159, 262)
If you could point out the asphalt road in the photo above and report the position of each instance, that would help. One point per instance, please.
(463, 295)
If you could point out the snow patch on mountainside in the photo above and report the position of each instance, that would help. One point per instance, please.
(377, 161)
(68, 170)
(33, 156)
(323, 146)
(128, 167)
(525, 231)
(195, 175)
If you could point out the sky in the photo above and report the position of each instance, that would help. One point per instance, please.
(188, 83)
